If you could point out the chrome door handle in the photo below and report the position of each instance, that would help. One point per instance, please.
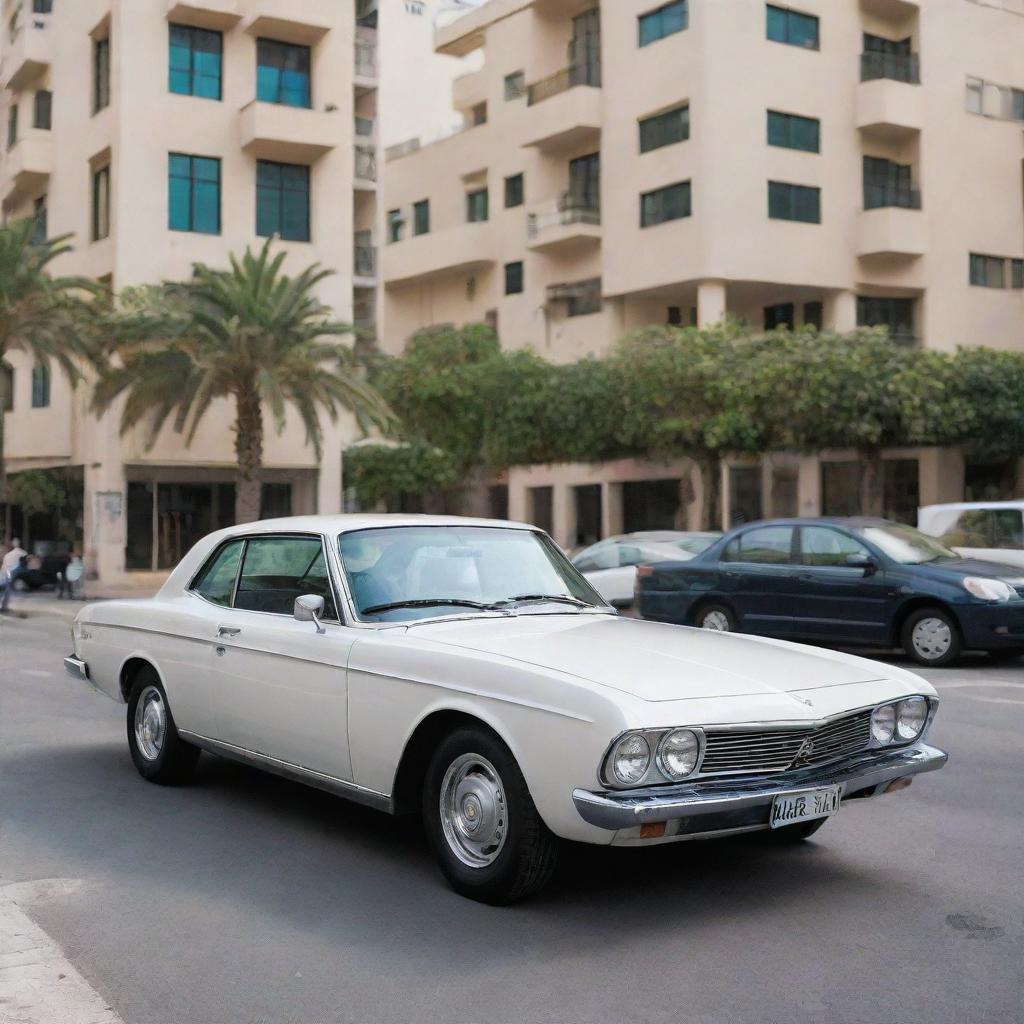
(228, 630)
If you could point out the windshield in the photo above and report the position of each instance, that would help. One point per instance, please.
(401, 573)
(906, 545)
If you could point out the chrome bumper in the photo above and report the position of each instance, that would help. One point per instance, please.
(721, 806)
(76, 667)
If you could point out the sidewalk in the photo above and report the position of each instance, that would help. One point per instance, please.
(25, 603)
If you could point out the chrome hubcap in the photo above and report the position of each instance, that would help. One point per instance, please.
(716, 620)
(474, 816)
(150, 723)
(931, 638)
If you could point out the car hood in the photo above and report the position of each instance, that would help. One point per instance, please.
(655, 661)
(957, 568)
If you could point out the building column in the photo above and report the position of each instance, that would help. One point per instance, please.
(711, 303)
(104, 519)
(518, 510)
(328, 486)
(940, 476)
(563, 515)
(611, 509)
(841, 312)
(808, 486)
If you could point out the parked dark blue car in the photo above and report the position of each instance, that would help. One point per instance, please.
(843, 581)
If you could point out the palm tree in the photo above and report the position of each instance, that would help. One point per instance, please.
(251, 334)
(44, 316)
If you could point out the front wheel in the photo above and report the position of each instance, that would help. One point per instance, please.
(489, 840)
(715, 617)
(931, 637)
(159, 753)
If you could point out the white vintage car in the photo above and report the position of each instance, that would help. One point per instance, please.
(464, 668)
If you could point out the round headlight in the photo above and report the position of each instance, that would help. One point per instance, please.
(988, 589)
(883, 724)
(678, 752)
(911, 715)
(630, 759)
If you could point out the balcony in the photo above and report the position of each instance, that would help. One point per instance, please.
(305, 22)
(458, 250)
(365, 169)
(891, 10)
(895, 67)
(469, 90)
(889, 109)
(364, 266)
(219, 15)
(878, 197)
(891, 231)
(565, 223)
(565, 109)
(28, 54)
(295, 135)
(365, 71)
(28, 164)
(464, 34)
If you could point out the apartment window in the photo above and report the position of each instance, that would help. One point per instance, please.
(39, 212)
(478, 114)
(790, 131)
(12, 125)
(194, 194)
(396, 226)
(100, 74)
(515, 85)
(665, 129)
(884, 311)
(814, 315)
(584, 304)
(7, 373)
(781, 315)
(42, 6)
(514, 278)
(43, 109)
(40, 385)
(792, 27)
(282, 73)
(476, 205)
(514, 191)
(282, 201)
(101, 203)
(663, 21)
(664, 204)
(421, 217)
(794, 202)
(1016, 104)
(196, 58)
(889, 58)
(996, 272)
(887, 183)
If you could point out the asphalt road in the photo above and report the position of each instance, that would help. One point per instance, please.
(244, 898)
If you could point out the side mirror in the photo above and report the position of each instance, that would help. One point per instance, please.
(865, 562)
(309, 608)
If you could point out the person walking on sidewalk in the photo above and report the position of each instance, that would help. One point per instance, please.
(10, 570)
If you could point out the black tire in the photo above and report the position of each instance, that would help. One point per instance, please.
(789, 834)
(716, 613)
(932, 652)
(175, 759)
(528, 852)
(1003, 654)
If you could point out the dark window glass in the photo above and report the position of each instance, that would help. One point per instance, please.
(476, 205)
(277, 570)
(421, 217)
(282, 201)
(100, 74)
(217, 582)
(39, 211)
(7, 373)
(43, 109)
(101, 204)
(889, 58)
(194, 194)
(887, 183)
(1017, 273)
(282, 73)
(12, 125)
(665, 129)
(585, 183)
(196, 57)
(665, 204)
(883, 311)
(478, 115)
(900, 490)
(814, 315)
(766, 545)
(585, 300)
(515, 85)
(396, 224)
(792, 27)
(514, 191)
(781, 315)
(794, 132)
(513, 278)
(40, 385)
(42, 6)
(794, 202)
(663, 21)
(674, 316)
(991, 271)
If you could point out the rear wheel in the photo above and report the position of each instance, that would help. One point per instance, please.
(931, 636)
(489, 840)
(159, 753)
(715, 617)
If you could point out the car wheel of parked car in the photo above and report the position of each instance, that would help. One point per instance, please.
(794, 833)
(490, 842)
(716, 617)
(159, 753)
(931, 637)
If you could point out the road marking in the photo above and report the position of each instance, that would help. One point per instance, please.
(39, 673)
(38, 984)
(987, 685)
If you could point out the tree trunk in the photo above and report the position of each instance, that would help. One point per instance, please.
(872, 498)
(4, 498)
(249, 452)
(711, 485)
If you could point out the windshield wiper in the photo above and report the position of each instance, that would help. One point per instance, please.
(560, 598)
(432, 602)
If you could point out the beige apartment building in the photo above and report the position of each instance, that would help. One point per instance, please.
(629, 162)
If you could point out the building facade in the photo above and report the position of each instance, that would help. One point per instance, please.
(626, 162)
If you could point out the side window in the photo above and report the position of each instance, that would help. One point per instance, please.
(277, 570)
(217, 581)
(821, 546)
(629, 555)
(767, 545)
(600, 556)
(970, 530)
(1006, 528)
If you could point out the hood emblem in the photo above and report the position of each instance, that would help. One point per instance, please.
(804, 754)
(803, 700)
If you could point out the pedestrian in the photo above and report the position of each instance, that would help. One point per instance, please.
(10, 570)
(73, 577)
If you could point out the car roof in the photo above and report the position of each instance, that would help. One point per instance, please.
(849, 521)
(663, 535)
(967, 506)
(348, 523)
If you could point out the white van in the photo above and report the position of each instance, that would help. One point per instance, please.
(992, 530)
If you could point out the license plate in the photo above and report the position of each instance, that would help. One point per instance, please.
(806, 805)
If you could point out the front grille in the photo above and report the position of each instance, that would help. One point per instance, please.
(778, 750)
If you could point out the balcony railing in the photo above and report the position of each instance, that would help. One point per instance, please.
(561, 81)
(365, 261)
(366, 53)
(566, 210)
(899, 67)
(366, 163)
(878, 196)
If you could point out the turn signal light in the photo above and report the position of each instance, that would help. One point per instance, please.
(645, 570)
(652, 830)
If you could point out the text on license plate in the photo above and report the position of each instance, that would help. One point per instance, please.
(806, 805)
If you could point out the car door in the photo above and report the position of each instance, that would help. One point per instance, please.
(760, 580)
(280, 687)
(837, 601)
